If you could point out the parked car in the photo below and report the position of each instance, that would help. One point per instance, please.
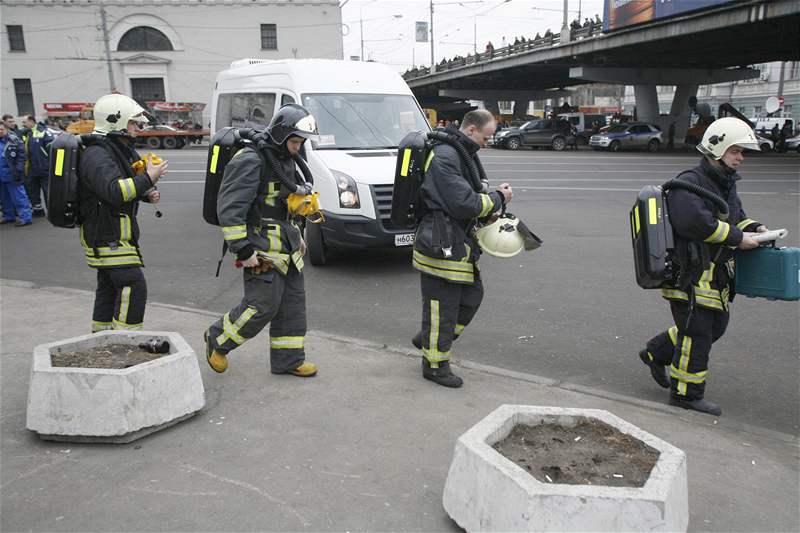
(793, 144)
(765, 144)
(630, 135)
(555, 133)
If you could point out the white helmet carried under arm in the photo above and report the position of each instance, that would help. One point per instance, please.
(724, 133)
(112, 113)
(506, 237)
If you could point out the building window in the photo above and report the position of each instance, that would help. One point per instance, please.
(145, 90)
(16, 40)
(24, 94)
(143, 38)
(794, 70)
(757, 111)
(269, 37)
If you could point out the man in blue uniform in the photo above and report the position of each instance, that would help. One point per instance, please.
(16, 207)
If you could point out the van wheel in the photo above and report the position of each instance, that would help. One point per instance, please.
(154, 142)
(170, 143)
(512, 143)
(317, 252)
(615, 146)
(559, 143)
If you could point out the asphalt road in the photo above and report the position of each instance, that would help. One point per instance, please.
(570, 311)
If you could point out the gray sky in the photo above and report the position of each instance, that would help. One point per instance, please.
(391, 40)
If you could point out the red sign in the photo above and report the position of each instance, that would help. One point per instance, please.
(64, 110)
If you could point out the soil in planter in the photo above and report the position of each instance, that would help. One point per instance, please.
(109, 356)
(590, 453)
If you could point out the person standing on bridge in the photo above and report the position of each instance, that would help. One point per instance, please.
(445, 249)
(113, 182)
(704, 250)
(252, 208)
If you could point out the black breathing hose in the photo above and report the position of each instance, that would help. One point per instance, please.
(717, 200)
(259, 139)
(452, 140)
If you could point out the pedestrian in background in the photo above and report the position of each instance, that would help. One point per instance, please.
(11, 124)
(16, 207)
(36, 139)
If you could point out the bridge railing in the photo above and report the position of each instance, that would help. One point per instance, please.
(511, 50)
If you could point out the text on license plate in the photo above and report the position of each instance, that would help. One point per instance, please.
(406, 239)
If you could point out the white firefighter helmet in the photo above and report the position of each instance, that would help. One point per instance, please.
(112, 113)
(501, 238)
(724, 133)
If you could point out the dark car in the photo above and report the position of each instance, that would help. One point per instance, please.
(555, 133)
(629, 135)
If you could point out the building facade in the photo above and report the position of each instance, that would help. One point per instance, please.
(73, 51)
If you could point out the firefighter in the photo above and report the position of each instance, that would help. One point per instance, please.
(113, 180)
(445, 249)
(705, 245)
(267, 241)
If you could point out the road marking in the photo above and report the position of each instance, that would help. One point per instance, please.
(610, 189)
(629, 179)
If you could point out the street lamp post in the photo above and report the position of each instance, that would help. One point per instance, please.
(361, 26)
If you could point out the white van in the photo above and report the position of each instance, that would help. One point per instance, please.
(362, 110)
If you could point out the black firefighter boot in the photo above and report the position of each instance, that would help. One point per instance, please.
(659, 372)
(442, 375)
(701, 405)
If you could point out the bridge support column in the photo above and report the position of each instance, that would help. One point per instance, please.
(520, 108)
(679, 112)
(492, 106)
(646, 103)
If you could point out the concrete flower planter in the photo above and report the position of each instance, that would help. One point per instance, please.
(110, 405)
(485, 491)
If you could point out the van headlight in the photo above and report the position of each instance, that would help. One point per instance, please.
(346, 190)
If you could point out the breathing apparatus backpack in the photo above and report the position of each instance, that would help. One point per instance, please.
(63, 191)
(226, 143)
(414, 154)
(653, 238)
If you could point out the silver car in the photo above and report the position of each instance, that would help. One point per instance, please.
(627, 136)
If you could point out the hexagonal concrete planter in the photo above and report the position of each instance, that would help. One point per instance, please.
(112, 405)
(485, 491)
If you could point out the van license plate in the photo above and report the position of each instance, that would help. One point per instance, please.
(407, 239)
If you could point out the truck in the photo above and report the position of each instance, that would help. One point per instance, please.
(155, 137)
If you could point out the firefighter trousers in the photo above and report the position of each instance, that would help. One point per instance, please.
(447, 308)
(119, 299)
(279, 300)
(686, 349)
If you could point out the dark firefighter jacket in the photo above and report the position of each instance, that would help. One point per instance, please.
(37, 143)
(444, 244)
(694, 221)
(110, 192)
(252, 211)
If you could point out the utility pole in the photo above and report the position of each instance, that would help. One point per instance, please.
(475, 35)
(362, 36)
(565, 32)
(780, 79)
(104, 27)
(433, 62)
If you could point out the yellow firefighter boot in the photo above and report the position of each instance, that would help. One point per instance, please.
(306, 370)
(216, 360)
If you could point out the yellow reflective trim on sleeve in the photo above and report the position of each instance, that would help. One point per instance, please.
(746, 222)
(406, 161)
(428, 160)
(59, 168)
(128, 189)
(486, 205)
(636, 213)
(214, 156)
(720, 234)
(652, 210)
(287, 343)
(231, 233)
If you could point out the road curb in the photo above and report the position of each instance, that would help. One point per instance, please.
(694, 418)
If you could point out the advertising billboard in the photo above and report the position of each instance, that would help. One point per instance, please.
(623, 13)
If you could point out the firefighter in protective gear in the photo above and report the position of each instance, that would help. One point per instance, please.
(704, 250)
(267, 240)
(445, 250)
(109, 196)
(36, 139)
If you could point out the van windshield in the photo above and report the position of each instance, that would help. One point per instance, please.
(363, 121)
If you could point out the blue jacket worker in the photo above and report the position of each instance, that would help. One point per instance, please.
(16, 207)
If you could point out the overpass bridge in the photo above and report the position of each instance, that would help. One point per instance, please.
(714, 45)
